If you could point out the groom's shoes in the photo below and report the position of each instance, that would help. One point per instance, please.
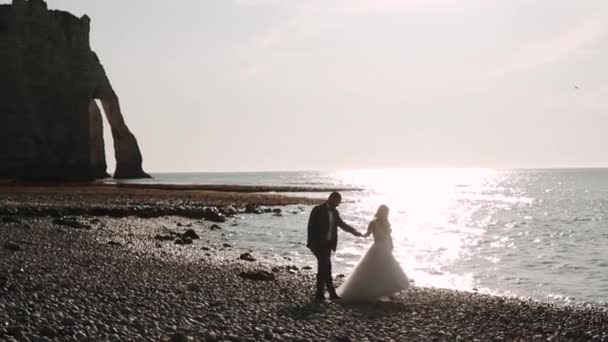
(320, 297)
(334, 297)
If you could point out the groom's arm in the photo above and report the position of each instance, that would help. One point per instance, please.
(346, 227)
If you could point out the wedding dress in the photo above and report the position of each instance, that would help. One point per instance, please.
(378, 274)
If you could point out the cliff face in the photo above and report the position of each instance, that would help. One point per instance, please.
(50, 124)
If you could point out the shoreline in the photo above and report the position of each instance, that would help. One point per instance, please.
(100, 187)
(97, 278)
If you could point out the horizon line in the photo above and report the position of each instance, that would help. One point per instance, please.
(388, 169)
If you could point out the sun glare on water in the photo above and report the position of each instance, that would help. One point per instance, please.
(430, 222)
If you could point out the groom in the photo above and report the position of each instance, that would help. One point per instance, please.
(323, 238)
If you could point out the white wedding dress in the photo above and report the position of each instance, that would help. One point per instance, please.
(378, 274)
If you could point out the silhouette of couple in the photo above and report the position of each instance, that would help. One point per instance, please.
(377, 275)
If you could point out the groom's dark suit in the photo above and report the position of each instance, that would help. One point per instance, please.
(322, 239)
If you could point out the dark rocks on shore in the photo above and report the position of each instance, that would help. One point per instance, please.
(15, 331)
(215, 227)
(183, 240)
(258, 275)
(168, 237)
(10, 219)
(213, 214)
(253, 209)
(211, 336)
(292, 269)
(47, 331)
(72, 222)
(72, 216)
(179, 337)
(190, 233)
(229, 211)
(247, 257)
(11, 246)
(257, 209)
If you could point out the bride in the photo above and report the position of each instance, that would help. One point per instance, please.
(378, 274)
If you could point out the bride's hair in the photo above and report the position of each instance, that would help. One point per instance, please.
(382, 212)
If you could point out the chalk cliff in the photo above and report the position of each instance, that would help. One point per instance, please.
(50, 79)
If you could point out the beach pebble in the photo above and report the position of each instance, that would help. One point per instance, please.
(247, 257)
(258, 275)
(213, 214)
(15, 331)
(253, 209)
(68, 321)
(194, 287)
(229, 211)
(190, 233)
(71, 222)
(211, 336)
(184, 240)
(10, 219)
(164, 237)
(179, 337)
(47, 331)
(11, 246)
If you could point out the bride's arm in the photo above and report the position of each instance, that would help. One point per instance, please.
(370, 227)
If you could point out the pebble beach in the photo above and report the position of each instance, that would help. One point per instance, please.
(112, 264)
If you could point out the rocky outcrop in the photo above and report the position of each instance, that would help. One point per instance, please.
(50, 123)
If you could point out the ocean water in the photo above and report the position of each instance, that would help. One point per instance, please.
(538, 234)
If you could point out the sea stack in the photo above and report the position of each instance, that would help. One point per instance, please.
(50, 123)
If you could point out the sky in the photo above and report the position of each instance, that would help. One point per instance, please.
(249, 85)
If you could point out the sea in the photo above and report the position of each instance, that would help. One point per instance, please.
(537, 234)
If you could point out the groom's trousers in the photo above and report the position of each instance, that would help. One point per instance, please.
(324, 278)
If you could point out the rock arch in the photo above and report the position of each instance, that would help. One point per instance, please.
(50, 126)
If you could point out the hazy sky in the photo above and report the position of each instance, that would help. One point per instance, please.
(323, 84)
